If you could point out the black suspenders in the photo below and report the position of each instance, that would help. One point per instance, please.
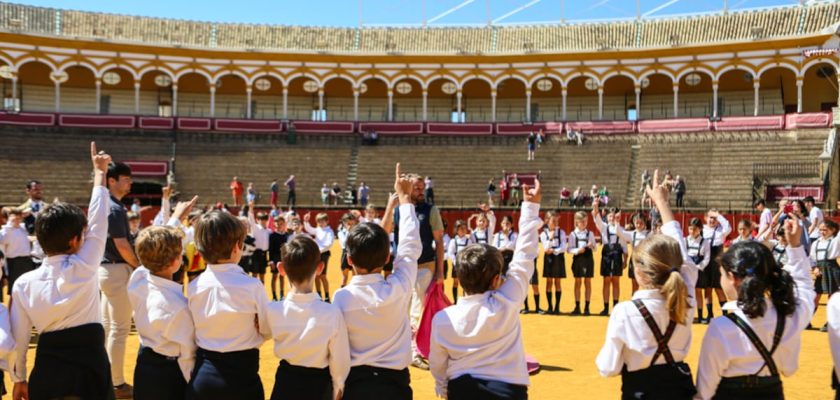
(765, 354)
(661, 340)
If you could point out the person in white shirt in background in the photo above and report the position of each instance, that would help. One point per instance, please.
(259, 230)
(325, 195)
(699, 250)
(554, 244)
(61, 300)
(765, 218)
(325, 237)
(612, 254)
(476, 348)
(716, 230)
(641, 225)
(348, 221)
(485, 224)
(18, 248)
(581, 246)
(460, 242)
(505, 240)
(166, 356)
(825, 251)
(745, 229)
(773, 237)
(310, 336)
(745, 352)
(815, 216)
(649, 337)
(228, 308)
(374, 307)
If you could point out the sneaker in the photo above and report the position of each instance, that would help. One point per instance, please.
(124, 391)
(420, 363)
(541, 311)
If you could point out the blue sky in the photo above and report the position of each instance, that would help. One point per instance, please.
(396, 12)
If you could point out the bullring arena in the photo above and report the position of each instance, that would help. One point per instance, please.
(741, 104)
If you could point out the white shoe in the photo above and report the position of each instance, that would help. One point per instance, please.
(419, 362)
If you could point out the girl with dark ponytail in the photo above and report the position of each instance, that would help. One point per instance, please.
(745, 352)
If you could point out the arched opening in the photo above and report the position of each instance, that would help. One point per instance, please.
(231, 97)
(582, 100)
(193, 95)
(156, 93)
(117, 94)
(303, 98)
(819, 90)
(620, 99)
(267, 98)
(78, 94)
(476, 100)
(408, 100)
(695, 95)
(736, 93)
(338, 99)
(36, 89)
(443, 101)
(657, 97)
(778, 91)
(511, 101)
(546, 100)
(373, 100)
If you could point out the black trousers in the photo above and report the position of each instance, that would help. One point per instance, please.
(158, 377)
(224, 376)
(292, 199)
(750, 388)
(72, 362)
(18, 266)
(371, 383)
(465, 387)
(301, 383)
(658, 382)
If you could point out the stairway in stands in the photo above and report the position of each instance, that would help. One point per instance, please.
(352, 170)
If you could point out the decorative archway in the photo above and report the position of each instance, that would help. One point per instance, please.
(656, 97)
(819, 83)
(191, 96)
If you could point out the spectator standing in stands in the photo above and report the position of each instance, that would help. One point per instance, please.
(577, 197)
(336, 193)
(765, 219)
(33, 204)
(515, 190)
(491, 191)
(117, 265)
(815, 216)
(565, 196)
(291, 200)
(429, 192)
(593, 193)
(237, 189)
(532, 145)
(251, 196)
(604, 195)
(679, 189)
(540, 138)
(364, 194)
(504, 190)
(325, 195)
(275, 189)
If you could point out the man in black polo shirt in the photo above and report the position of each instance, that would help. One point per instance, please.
(118, 263)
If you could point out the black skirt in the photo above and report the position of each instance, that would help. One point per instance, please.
(325, 258)
(158, 377)
(18, 266)
(631, 270)
(372, 383)
(259, 262)
(344, 264)
(223, 376)
(583, 265)
(301, 383)
(72, 362)
(658, 382)
(612, 260)
(829, 279)
(554, 265)
(710, 277)
(750, 388)
(465, 387)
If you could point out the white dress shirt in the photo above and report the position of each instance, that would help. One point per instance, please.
(630, 341)
(505, 241)
(765, 220)
(825, 249)
(311, 333)
(609, 233)
(16, 240)
(64, 292)
(342, 237)
(7, 341)
(726, 350)
(162, 317)
(224, 302)
(324, 237)
(481, 335)
(833, 316)
(717, 235)
(456, 245)
(698, 247)
(259, 233)
(554, 241)
(631, 237)
(486, 234)
(586, 239)
(376, 308)
(816, 217)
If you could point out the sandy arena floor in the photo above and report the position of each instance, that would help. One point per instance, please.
(566, 347)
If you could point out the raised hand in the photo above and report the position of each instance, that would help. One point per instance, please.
(306, 217)
(402, 186)
(658, 193)
(533, 195)
(166, 192)
(183, 208)
(99, 158)
(793, 231)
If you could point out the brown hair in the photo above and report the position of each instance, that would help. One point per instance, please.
(659, 259)
(158, 246)
(477, 265)
(580, 216)
(300, 258)
(216, 234)
(368, 246)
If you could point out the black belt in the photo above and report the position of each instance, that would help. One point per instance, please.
(151, 355)
(749, 382)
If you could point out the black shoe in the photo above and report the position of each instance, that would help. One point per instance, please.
(556, 311)
(824, 328)
(274, 298)
(576, 311)
(698, 320)
(604, 313)
(707, 321)
(524, 311)
(541, 311)
(586, 312)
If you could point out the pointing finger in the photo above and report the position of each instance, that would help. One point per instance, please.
(398, 171)
(92, 149)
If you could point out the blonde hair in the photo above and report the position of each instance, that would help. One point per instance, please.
(158, 246)
(659, 259)
(580, 216)
(322, 217)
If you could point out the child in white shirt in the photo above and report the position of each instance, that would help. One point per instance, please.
(581, 246)
(325, 237)
(460, 242)
(554, 244)
(824, 254)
